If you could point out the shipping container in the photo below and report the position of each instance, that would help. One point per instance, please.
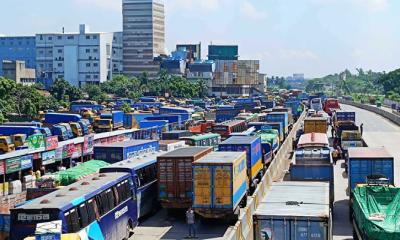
(56, 118)
(185, 113)
(339, 116)
(175, 134)
(279, 117)
(284, 110)
(366, 161)
(294, 210)
(252, 146)
(115, 152)
(296, 108)
(11, 130)
(223, 115)
(175, 176)
(316, 125)
(220, 184)
(170, 145)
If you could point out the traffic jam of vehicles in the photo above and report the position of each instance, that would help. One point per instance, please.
(95, 171)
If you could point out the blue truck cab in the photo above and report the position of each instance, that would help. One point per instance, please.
(61, 132)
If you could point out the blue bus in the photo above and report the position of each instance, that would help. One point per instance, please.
(143, 171)
(102, 207)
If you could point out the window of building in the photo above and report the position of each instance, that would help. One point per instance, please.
(87, 37)
(95, 50)
(60, 76)
(59, 37)
(50, 38)
(87, 76)
(87, 50)
(94, 36)
(60, 64)
(70, 37)
(95, 64)
(41, 52)
(96, 76)
(87, 64)
(59, 50)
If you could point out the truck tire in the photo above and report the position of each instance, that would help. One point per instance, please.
(129, 230)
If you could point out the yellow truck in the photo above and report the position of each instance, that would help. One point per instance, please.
(19, 140)
(6, 144)
(316, 125)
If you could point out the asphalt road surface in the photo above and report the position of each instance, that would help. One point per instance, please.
(378, 132)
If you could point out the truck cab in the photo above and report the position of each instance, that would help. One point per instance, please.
(103, 125)
(69, 130)
(6, 144)
(45, 131)
(60, 132)
(76, 129)
(19, 140)
(86, 126)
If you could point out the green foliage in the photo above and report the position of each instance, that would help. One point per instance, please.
(95, 93)
(63, 91)
(126, 108)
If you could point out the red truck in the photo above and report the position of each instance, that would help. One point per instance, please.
(331, 105)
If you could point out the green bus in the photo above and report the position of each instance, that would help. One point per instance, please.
(203, 140)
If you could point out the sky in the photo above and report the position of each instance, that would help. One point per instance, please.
(314, 37)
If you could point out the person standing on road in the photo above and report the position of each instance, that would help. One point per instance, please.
(191, 222)
(362, 128)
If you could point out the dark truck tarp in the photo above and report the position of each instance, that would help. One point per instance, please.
(377, 211)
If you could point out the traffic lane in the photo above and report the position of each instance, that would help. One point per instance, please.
(378, 132)
(342, 228)
(165, 225)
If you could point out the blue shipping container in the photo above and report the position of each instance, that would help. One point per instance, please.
(315, 172)
(282, 117)
(119, 151)
(249, 144)
(11, 130)
(363, 162)
(56, 118)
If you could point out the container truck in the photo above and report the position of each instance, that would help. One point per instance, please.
(11, 130)
(294, 210)
(351, 139)
(252, 146)
(220, 184)
(68, 128)
(175, 176)
(222, 114)
(287, 110)
(316, 104)
(175, 134)
(27, 124)
(61, 132)
(296, 108)
(375, 211)
(185, 113)
(316, 125)
(279, 117)
(331, 105)
(119, 151)
(109, 121)
(174, 121)
(278, 126)
(76, 129)
(56, 118)
(269, 143)
(340, 116)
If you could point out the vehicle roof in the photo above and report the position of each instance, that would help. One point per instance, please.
(240, 140)
(186, 152)
(221, 157)
(368, 152)
(312, 196)
(137, 162)
(125, 143)
(201, 136)
(176, 131)
(64, 197)
(313, 139)
(230, 123)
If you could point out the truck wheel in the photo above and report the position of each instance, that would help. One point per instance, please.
(243, 203)
(129, 230)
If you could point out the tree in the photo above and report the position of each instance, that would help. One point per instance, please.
(126, 108)
(63, 91)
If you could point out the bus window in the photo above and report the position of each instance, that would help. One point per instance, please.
(83, 215)
(91, 210)
(110, 198)
(72, 219)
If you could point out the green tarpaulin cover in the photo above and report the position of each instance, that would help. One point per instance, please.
(377, 212)
(71, 175)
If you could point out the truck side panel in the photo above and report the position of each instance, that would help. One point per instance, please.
(202, 186)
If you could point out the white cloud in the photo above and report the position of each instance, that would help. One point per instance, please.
(375, 5)
(249, 11)
(114, 5)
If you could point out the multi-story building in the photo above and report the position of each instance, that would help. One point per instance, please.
(143, 36)
(235, 77)
(223, 52)
(80, 58)
(297, 81)
(202, 70)
(18, 48)
(16, 70)
(194, 51)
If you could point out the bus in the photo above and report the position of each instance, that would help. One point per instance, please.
(103, 207)
(143, 171)
(225, 129)
(316, 104)
(203, 140)
(247, 117)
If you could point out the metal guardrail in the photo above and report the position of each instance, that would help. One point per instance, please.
(391, 116)
(244, 227)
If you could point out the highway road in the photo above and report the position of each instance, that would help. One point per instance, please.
(378, 131)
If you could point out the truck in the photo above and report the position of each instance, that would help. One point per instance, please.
(109, 121)
(223, 114)
(6, 144)
(119, 151)
(331, 105)
(175, 134)
(296, 107)
(279, 117)
(185, 113)
(56, 118)
(366, 161)
(278, 126)
(269, 143)
(11, 130)
(27, 124)
(351, 139)
(76, 129)
(220, 185)
(61, 132)
(287, 110)
(175, 176)
(294, 210)
(378, 220)
(316, 104)
(252, 146)
(340, 116)
(316, 125)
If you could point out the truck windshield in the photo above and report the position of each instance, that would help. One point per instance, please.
(104, 122)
